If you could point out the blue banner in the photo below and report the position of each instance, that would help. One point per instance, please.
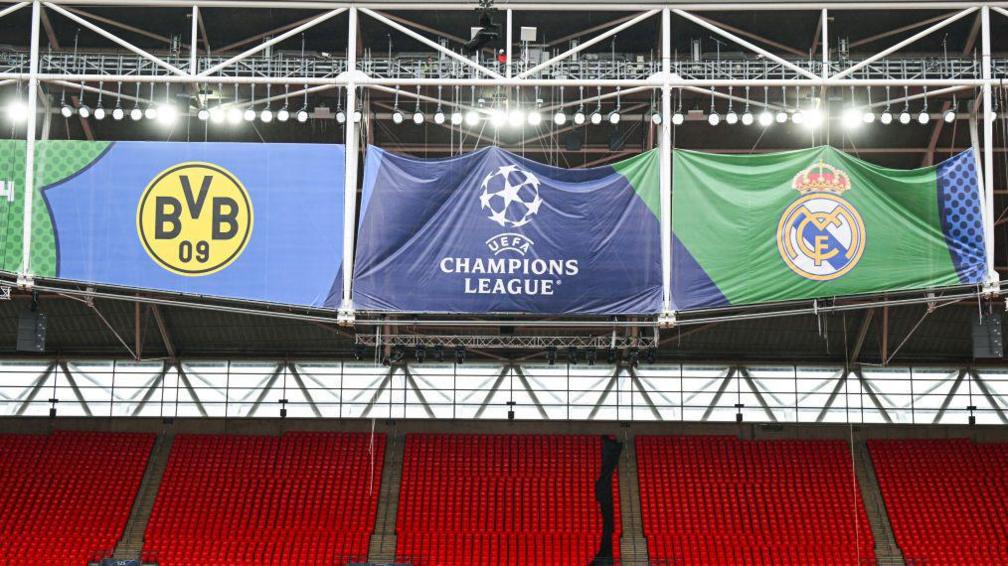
(492, 232)
(259, 222)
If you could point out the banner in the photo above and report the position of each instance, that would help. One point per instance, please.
(260, 222)
(492, 232)
(819, 223)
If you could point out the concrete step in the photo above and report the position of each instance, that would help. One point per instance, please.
(383, 540)
(887, 552)
(633, 545)
(130, 546)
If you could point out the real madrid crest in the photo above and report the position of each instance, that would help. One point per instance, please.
(821, 236)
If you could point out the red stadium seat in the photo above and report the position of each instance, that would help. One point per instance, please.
(947, 500)
(720, 500)
(65, 497)
(477, 500)
(300, 498)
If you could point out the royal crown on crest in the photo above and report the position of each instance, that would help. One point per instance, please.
(821, 178)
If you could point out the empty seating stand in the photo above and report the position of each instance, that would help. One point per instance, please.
(495, 500)
(300, 498)
(720, 500)
(65, 497)
(947, 499)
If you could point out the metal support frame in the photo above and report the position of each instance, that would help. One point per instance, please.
(345, 315)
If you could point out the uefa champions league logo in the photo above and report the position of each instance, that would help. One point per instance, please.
(511, 195)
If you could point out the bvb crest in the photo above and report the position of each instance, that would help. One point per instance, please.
(821, 236)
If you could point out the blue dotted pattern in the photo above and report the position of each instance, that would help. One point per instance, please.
(961, 220)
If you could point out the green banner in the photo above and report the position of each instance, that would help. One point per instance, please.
(819, 223)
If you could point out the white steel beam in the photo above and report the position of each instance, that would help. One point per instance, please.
(908, 41)
(29, 178)
(988, 148)
(748, 45)
(665, 168)
(582, 46)
(13, 8)
(432, 44)
(345, 314)
(117, 40)
(287, 34)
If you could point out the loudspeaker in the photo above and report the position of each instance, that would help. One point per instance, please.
(988, 336)
(31, 332)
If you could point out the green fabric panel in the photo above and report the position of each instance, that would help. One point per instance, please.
(642, 172)
(727, 208)
(54, 161)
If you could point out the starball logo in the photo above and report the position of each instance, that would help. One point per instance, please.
(510, 198)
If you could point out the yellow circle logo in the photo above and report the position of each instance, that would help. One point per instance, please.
(194, 218)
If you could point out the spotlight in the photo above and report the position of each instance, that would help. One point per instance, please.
(359, 350)
(266, 115)
(302, 115)
(341, 117)
(714, 119)
(591, 356)
(731, 118)
(136, 114)
(358, 116)
(551, 355)
(456, 118)
(572, 355)
(886, 117)
(397, 117)
(217, 115)
(118, 113)
(497, 117)
(167, 114)
(203, 114)
(283, 114)
(99, 113)
(923, 117)
(460, 354)
(765, 118)
(234, 115)
(420, 353)
(904, 117)
(84, 111)
(438, 353)
(579, 118)
(66, 111)
(596, 118)
(656, 118)
(150, 113)
(559, 118)
(611, 356)
(472, 118)
(949, 116)
(678, 118)
(747, 119)
(17, 111)
(516, 118)
(781, 117)
(851, 119)
(249, 115)
(868, 117)
(798, 117)
(534, 118)
(614, 117)
(439, 117)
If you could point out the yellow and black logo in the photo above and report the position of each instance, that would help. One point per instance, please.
(194, 218)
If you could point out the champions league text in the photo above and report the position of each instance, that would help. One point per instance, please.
(531, 271)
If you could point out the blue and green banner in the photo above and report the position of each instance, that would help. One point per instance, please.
(258, 222)
(492, 232)
(819, 223)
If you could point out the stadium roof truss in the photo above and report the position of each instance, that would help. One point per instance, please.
(452, 69)
(661, 392)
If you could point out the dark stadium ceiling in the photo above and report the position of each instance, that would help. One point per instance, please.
(76, 328)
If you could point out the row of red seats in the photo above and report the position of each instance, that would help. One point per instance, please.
(65, 497)
(718, 500)
(299, 498)
(501, 499)
(947, 499)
